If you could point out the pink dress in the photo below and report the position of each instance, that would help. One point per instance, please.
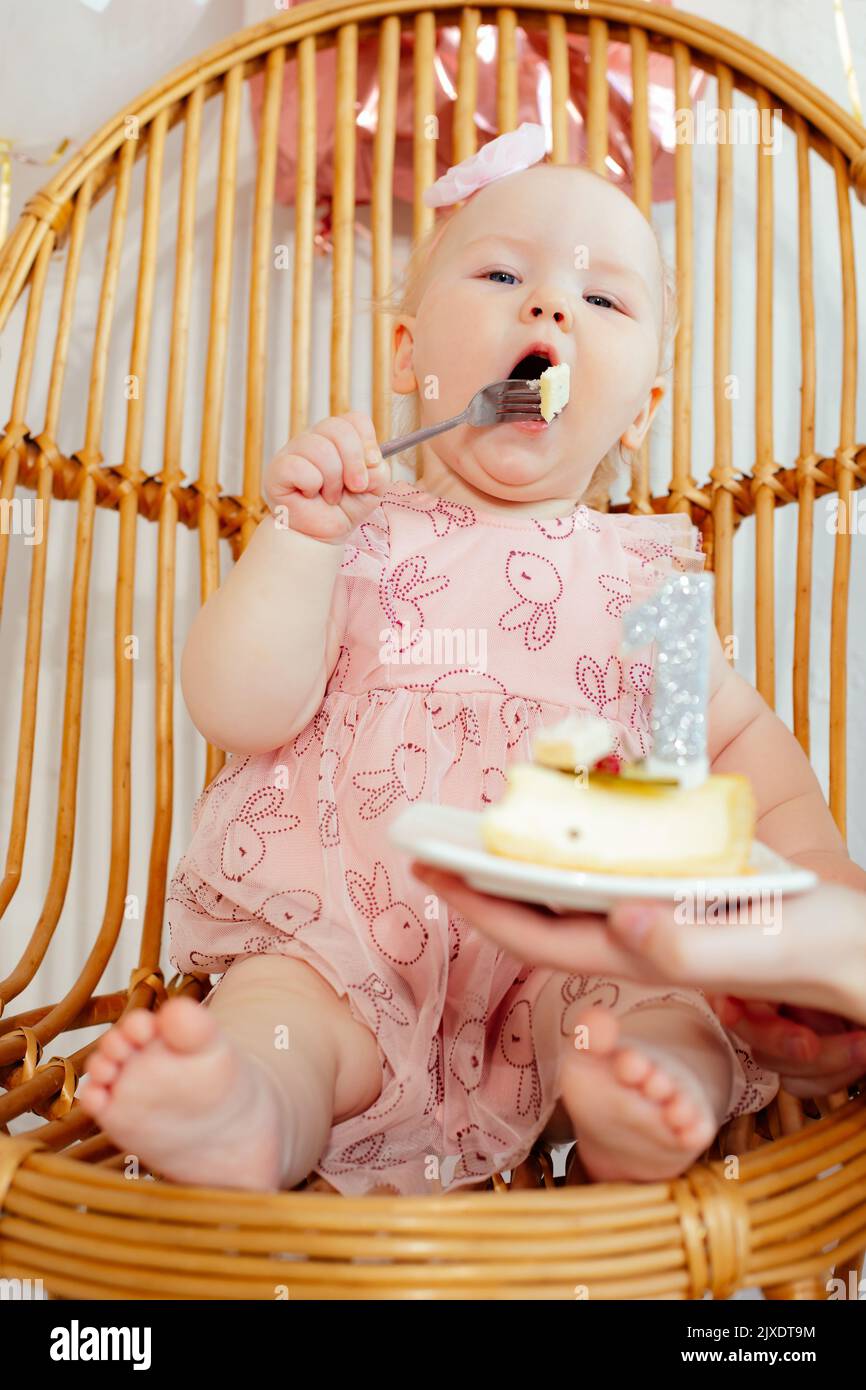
(463, 632)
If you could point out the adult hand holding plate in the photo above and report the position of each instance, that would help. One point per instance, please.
(814, 967)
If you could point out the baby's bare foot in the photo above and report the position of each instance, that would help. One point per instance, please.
(638, 1114)
(176, 1091)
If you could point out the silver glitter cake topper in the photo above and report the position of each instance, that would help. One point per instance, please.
(677, 618)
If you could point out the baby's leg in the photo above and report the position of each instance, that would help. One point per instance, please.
(242, 1091)
(645, 1094)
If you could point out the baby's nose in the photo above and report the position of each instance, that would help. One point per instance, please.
(554, 305)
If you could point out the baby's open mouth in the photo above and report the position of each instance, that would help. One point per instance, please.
(530, 367)
(541, 367)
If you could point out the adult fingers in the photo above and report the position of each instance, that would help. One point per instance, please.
(789, 1048)
(804, 1087)
(775, 1042)
(573, 942)
(737, 960)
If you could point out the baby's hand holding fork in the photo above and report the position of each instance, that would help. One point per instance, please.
(325, 481)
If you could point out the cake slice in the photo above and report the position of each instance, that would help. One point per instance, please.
(609, 824)
(554, 385)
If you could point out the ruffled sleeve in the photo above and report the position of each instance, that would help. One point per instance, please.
(365, 560)
(367, 549)
(656, 547)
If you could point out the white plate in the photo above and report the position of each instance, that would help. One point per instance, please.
(450, 838)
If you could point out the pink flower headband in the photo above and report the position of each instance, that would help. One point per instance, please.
(507, 154)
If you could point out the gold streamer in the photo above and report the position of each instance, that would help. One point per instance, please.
(847, 62)
(8, 152)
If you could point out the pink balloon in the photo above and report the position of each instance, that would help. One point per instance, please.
(532, 105)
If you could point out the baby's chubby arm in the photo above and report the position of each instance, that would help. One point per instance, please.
(262, 648)
(251, 679)
(744, 735)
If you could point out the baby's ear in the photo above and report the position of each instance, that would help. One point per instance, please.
(403, 379)
(634, 435)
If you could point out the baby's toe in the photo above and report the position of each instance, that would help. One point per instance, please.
(138, 1027)
(186, 1026)
(683, 1114)
(115, 1046)
(93, 1099)
(659, 1086)
(695, 1135)
(703, 1132)
(631, 1067)
(102, 1069)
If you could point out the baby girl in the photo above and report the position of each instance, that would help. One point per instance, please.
(360, 1029)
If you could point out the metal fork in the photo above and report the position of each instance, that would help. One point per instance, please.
(501, 402)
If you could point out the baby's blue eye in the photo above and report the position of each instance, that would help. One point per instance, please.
(488, 273)
(604, 299)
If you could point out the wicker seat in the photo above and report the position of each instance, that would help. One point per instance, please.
(68, 1210)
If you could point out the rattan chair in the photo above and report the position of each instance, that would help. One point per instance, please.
(797, 1212)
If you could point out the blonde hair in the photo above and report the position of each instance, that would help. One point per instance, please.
(405, 295)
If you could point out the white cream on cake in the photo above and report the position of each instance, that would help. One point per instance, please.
(578, 741)
(554, 385)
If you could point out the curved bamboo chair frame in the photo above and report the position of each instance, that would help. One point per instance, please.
(66, 1213)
